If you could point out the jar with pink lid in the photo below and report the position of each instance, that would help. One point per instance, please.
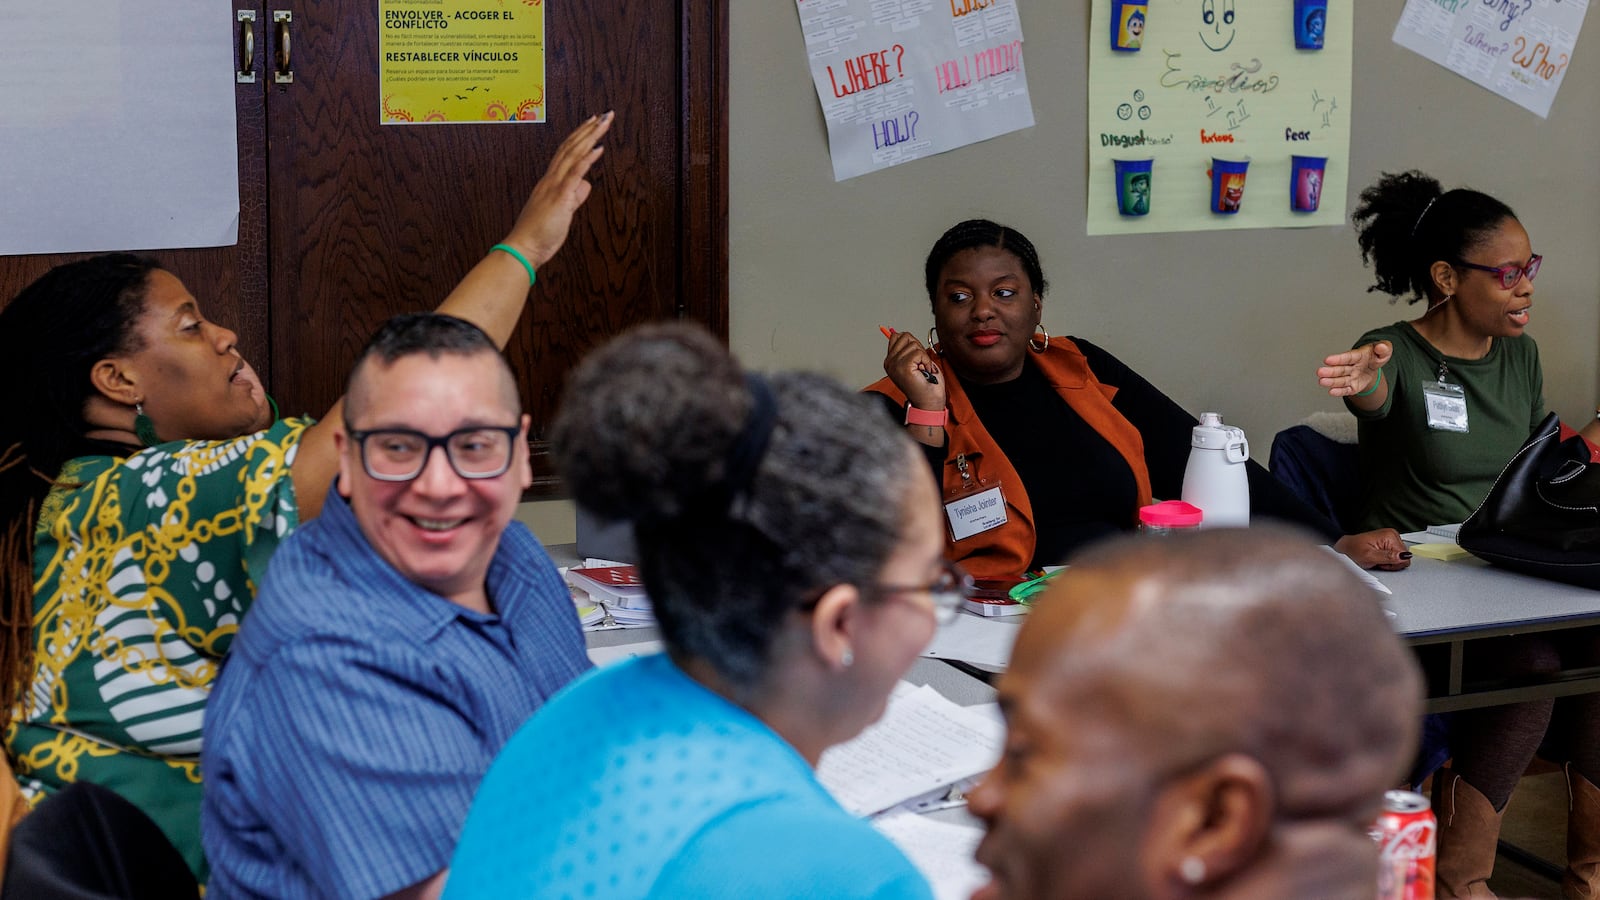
(1169, 517)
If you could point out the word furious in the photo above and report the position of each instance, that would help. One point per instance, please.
(867, 71)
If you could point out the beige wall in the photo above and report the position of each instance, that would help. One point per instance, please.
(1234, 321)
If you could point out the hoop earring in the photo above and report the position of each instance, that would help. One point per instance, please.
(933, 339)
(143, 428)
(1040, 347)
(1442, 301)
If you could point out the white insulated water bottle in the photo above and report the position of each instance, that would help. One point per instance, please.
(1216, 479)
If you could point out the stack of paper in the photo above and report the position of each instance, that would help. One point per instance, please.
(618, 590)
(941, 851)
(923, 743)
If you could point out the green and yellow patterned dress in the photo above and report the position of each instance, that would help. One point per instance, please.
(143, 567)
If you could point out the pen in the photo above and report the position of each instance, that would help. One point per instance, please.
(888, 334)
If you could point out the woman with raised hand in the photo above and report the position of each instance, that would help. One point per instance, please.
(1074, 440)
(145, 484)
(1443, 402)
(790, 543)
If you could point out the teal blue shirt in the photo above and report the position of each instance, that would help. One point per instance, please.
(636, 781)
(1414, 476)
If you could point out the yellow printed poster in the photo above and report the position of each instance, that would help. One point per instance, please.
(461, 61)
(1218, 114)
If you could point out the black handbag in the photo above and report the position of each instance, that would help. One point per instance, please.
(1542, 517)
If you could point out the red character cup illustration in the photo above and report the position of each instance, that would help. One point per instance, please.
(1227, 184)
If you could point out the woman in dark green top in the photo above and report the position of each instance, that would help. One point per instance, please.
(1444, 401)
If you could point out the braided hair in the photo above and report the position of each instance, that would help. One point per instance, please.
(51, 335)
(1407, 222)
(982, 233)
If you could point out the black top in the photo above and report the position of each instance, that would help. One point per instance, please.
(1088, 491)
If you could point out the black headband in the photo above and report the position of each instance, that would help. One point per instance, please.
(749, 446)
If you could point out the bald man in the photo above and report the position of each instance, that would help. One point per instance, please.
(1208, 715)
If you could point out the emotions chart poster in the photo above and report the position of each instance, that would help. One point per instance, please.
(1218, 114)
(903, 79)
(1520, 49)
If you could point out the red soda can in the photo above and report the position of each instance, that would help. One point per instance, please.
(1405, 833)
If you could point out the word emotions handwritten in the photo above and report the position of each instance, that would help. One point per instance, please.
(1326, 106)
(898, 130)
(1240, 78)
(1538, 59)
(1216, 19)
(869, 70)
(1511, 9)
(1125, 111)
(958, 73)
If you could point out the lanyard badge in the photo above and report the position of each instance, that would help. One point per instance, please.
(974, 510)
(1446, 403)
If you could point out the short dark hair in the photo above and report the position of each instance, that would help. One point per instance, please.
(982, 233)
(1406, 222)
(431, 334)
(644, 434)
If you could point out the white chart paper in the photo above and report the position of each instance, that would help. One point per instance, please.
(903, 79)
(1520, 49)
(117, 130)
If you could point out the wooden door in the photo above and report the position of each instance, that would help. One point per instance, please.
(369, 220)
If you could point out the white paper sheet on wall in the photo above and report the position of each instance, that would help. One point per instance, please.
(903, 79)
(117, 130)
(1520, 49)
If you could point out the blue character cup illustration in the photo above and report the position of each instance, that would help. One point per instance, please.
(1227, 184)
(1133, 185)
(1305, 182)
(1127, 24)
(1310, 23)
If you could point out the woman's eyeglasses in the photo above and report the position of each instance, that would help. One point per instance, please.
(948, 589)
(1508, 275)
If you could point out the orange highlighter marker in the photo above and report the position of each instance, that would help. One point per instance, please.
(888, 334)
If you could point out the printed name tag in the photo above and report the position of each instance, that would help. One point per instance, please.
(976, 513)
(1447, 406)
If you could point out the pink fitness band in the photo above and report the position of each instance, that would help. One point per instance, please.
(929, 417)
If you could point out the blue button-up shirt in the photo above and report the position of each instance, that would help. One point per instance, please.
(357, 713)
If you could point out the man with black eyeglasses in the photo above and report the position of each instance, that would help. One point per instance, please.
(397, 641)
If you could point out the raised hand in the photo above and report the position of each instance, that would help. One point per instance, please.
(541, 228)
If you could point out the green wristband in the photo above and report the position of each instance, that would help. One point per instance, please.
(1371, 390)
(519, 258)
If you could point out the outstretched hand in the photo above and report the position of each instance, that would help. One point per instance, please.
(1381, 548)
(541, 228)
(1354, 371)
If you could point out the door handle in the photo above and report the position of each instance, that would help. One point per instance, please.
(247, 47)
(281, 19)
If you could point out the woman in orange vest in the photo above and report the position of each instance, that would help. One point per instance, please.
(1042, 444)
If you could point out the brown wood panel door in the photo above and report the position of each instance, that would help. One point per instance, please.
(368, 220)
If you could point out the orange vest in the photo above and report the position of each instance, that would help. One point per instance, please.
(974, 463)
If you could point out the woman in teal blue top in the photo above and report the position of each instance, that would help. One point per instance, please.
(1444, 401)
(789, 539)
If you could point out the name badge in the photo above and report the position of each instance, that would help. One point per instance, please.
(1447, 406)
(976, 513)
